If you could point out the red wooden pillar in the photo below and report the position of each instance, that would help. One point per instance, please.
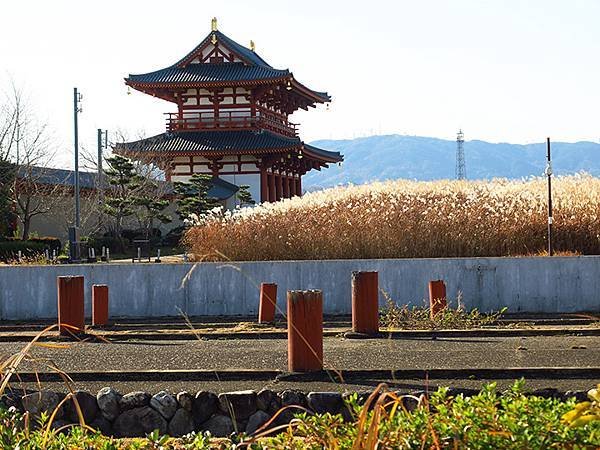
(279, 186)
(292, 186)
(99, 304)
(71, 318)
(299, 186)
(437, 297)
(272, 191)
(264, 186)
(268, 301)
(305, 330)
(365, 302)
(286, 186)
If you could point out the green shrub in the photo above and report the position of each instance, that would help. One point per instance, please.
(10, 248)
(488, 420)
(97, 242)
(51, 243)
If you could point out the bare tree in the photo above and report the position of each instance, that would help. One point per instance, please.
(27, 145)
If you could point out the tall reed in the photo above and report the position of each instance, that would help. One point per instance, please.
(409, 219)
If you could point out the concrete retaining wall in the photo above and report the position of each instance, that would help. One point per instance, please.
(550, 285)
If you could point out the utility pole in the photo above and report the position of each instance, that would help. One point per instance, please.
(102, 144)
(461, 171)
(548, 173)
(77, 97)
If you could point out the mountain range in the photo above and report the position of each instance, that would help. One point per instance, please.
(423, 158)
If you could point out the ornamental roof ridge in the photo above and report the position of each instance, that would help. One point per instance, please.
(245, 54)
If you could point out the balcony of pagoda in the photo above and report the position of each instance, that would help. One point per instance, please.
(230, 120)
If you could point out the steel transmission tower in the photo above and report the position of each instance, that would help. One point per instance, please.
(461, 171)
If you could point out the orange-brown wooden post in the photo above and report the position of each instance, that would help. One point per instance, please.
(267, 302)
(305, 330)
(272, 190)
(99, 304)
(71, 318)
(365, 302)
(437, 297)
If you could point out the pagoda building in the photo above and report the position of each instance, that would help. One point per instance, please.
(232, 121)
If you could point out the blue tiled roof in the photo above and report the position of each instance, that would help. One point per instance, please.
(245, 53)
(221, 189)
(222, 142)
(210, 73)
(51, 176)
(253, 68)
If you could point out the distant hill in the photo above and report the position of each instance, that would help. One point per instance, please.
(423, 158)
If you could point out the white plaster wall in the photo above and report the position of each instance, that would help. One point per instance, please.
(536, 285)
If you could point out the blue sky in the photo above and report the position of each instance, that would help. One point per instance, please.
(504, 71)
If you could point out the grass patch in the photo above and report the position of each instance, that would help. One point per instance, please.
(488, 420)
(403, 317)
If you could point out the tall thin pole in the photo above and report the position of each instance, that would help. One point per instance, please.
(100, 186)
(76, 143)
(100, 173)
(549, 175)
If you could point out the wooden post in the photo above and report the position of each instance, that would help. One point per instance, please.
(305, 330)
(268, 300)
(264, 186)
(99, 304)
(365, 302)
(272, 191)
(286, 186)
(71, 318)
(293, 186)
(299, 186)
(437, 297)
(279, 186)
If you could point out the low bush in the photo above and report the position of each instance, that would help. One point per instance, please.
(140, 233)
(51, 243)
(97, 242)
(488, 420)
(173, 237)
(9, 249)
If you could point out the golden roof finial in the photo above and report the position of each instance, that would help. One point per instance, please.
(213, 24)
(252, 46)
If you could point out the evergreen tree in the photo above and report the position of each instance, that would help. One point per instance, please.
(124, 193)
(151, 209)
(193, 196)
(244, 195)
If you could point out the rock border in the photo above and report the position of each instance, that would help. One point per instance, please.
(136, 414)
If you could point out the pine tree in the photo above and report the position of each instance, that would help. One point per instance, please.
(193, 196)
(124, 193)
(151, 210)
(244, 195)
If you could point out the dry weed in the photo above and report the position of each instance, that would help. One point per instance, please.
(409, 219)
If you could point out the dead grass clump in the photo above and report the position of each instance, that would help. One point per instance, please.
(409, 219)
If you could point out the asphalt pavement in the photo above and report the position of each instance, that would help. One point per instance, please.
(339, 353)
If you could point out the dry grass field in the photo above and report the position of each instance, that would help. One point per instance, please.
(409, 219)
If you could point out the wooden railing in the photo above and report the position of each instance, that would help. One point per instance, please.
(230, 120)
